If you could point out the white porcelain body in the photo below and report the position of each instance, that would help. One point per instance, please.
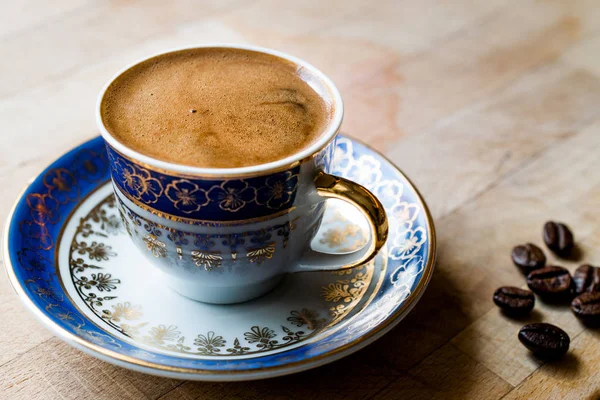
(227, 263)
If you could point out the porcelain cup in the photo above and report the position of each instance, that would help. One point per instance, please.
(227, 235)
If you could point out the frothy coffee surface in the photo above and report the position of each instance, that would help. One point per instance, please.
(220, 108)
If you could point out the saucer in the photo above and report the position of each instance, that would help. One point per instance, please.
(70, 261)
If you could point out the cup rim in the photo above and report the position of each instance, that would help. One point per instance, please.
(285, 163)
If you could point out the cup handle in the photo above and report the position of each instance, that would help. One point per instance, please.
(330, 186)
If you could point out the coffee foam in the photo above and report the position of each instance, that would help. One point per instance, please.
(219, 108)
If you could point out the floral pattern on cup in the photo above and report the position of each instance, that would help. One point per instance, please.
(186, 196)
(232, 195)
(137, 182)
(277, 191)
(205, 199)
(207, 251)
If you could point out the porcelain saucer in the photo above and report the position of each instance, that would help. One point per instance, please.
(69, 259)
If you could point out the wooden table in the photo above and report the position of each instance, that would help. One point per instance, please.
(492, 107)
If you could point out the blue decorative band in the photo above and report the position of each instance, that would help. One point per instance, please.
(205, 199)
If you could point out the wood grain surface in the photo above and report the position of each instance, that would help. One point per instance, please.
(491, 107)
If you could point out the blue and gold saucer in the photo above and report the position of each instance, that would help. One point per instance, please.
(69, 259)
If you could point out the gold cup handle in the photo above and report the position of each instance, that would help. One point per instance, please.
(330, 186)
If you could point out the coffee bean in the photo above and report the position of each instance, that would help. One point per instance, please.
(558, 237)
(528, 257)
(544, 340)
(587, 279)
(554, 283)
(513, 300)
(586, 306)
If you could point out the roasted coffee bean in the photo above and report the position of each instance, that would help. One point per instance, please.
(513, 300)
(587, 279)
(586, 306)
(558, 237)
(544, 340)
(528, 257)
(550, 282)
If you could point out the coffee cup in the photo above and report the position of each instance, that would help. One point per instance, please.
(227, 235)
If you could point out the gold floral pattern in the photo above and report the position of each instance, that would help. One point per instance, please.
(43, 208)
(333, 237)
(352, 230)
(113, 225)
(340, 291)
(209, 343)
(132, 330)
(264, 337)
(206, 259)
(138, 181)
(257, 339)
(156, 247)
(102, 282)
(43, 239)
(336, 216)
(97, 290)
(306, 317)
(204, 199)
(125, 311)
(186, 196)
(260, 254)
(96, 251)
(237, 348)
(232, 195)
(90, 165)
(61, 184)
(278, 190)
(357, 245)
(347, 291)
(65, 316)
(345, 239)
(162, 333)
(100, 339)
(258, 245)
